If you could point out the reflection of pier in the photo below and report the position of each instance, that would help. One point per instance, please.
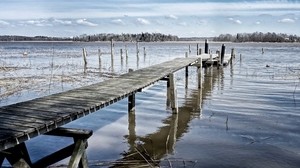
(150, 149)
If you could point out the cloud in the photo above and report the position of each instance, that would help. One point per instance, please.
(142, 21)
(84, 22)
(171, 17)
(182, 24)
(236, 21)
(62, 22)
(39, 23)
(4, 23)
(258, 23)
(286, 20)
(118, 22)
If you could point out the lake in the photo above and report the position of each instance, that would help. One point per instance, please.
(246, 114)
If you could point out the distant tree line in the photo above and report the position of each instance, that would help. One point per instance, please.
(143, 37)
(257, 37)
(35, 38)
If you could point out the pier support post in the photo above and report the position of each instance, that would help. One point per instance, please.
(131, 99)
(199, 72)
(131, 103)
(206, 47)
(173, 93)
(197, 49)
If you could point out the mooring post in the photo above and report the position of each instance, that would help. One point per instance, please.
(200, 51)
(219, 58)
(222, 54)
(131, 99)
(84, 54)
(206, 47)
(173, 93)
(126, 52)
(190, 49)
(197, 49)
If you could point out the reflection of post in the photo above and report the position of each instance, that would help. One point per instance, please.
(199, 102)
(137, 49)
(171, 139)
(131, 129)
(173, 93)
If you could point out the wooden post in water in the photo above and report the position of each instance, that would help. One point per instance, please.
(121, 54)
(84, 54)
(206, 47)
(232, 53)
(137, 49)
(186, 72)
(200, 51)
(190, 51)
(112, 52)
(99, 58)
(197, 49)
(131, 99)
(222, 53)
(173, 93)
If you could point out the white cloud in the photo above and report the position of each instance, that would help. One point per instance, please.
(63, 22)
(143, 21)
(118, 21)
(39, 23)
(4, 23)
(172, 17)
(236, 21)
(182, 24)
(84, 22)
(286, 20)
(258, 23)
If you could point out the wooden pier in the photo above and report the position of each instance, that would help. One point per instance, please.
(23, 121)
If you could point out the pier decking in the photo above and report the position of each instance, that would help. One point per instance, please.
(23, 121)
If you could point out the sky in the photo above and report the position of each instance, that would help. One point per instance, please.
(184, 18)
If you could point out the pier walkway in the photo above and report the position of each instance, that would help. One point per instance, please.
(25, 120)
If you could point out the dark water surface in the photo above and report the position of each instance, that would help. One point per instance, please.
(246, 114)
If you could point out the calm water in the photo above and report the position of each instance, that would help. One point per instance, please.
(246, 114)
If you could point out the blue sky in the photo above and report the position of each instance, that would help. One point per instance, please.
(185, 18)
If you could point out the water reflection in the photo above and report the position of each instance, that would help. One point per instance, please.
(151, 148)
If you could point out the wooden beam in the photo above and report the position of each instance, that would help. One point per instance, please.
(78, 152)
(71, 132)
